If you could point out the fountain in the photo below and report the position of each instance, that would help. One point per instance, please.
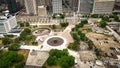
(55, 41)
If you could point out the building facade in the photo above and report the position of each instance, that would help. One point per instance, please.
(73, 4)
(103, 6)
(31, 7)
(7, 24)
(12, 6)
(117, 6)
(85, 6)
(57, 6)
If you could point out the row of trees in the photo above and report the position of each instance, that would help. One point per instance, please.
(104, 17)
(23, 24)
(61, 58)
(79, 36)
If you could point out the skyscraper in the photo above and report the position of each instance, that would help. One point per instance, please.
(31, 8)
(12, 6)
(103, 6)
(57, 6)
(85, 6)
(46, 3)
(74, 4)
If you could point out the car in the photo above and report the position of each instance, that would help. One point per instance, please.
(2, 48)
(117, 49)
(6, 46)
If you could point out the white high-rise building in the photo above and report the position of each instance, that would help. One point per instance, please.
(7, 24)
(103, 6)
(57, 6)
(31, 7)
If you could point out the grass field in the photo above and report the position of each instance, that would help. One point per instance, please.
(47, 66)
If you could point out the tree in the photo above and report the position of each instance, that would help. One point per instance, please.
(103, 24)
(90, 44)
(6, 41)
(116, 18)
(60, 57)
(34, 43)
(10, 57)
(84, 21)
(20, 65)
(26, 31)
(62, 16)
(58, 53)
(66, 61)
(14, 47)
(64, 24)
(105, 18)
(53, 27)
(74, 46)
(54, 15)
(75, 36)
(27, 24)
(52, 60)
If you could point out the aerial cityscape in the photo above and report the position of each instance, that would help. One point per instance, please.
(59, 33)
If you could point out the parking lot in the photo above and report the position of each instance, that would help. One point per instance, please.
(103, 42)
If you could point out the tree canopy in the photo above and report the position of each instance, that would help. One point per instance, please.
(60, 57)
(103, 24)
(9, 58)
(14, 47)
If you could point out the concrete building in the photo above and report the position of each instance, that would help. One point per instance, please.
(42, 11)
(70, 6)
(117, 6)
(47, 3)
(7, 24)
(74, 4)
(12, 6)
(103, 6)
(85, 6)
(57, 6)
(31, 7)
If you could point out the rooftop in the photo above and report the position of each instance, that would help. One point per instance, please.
(4, 18)
(37, 58)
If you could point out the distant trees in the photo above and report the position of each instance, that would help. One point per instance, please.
(60, 57)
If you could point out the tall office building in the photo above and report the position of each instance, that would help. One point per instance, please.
(73, 4)
(47, 3)
(85, 6)
(117, 6)
(57, 6)
(31, 7)
(103, 6)
(12, 6)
